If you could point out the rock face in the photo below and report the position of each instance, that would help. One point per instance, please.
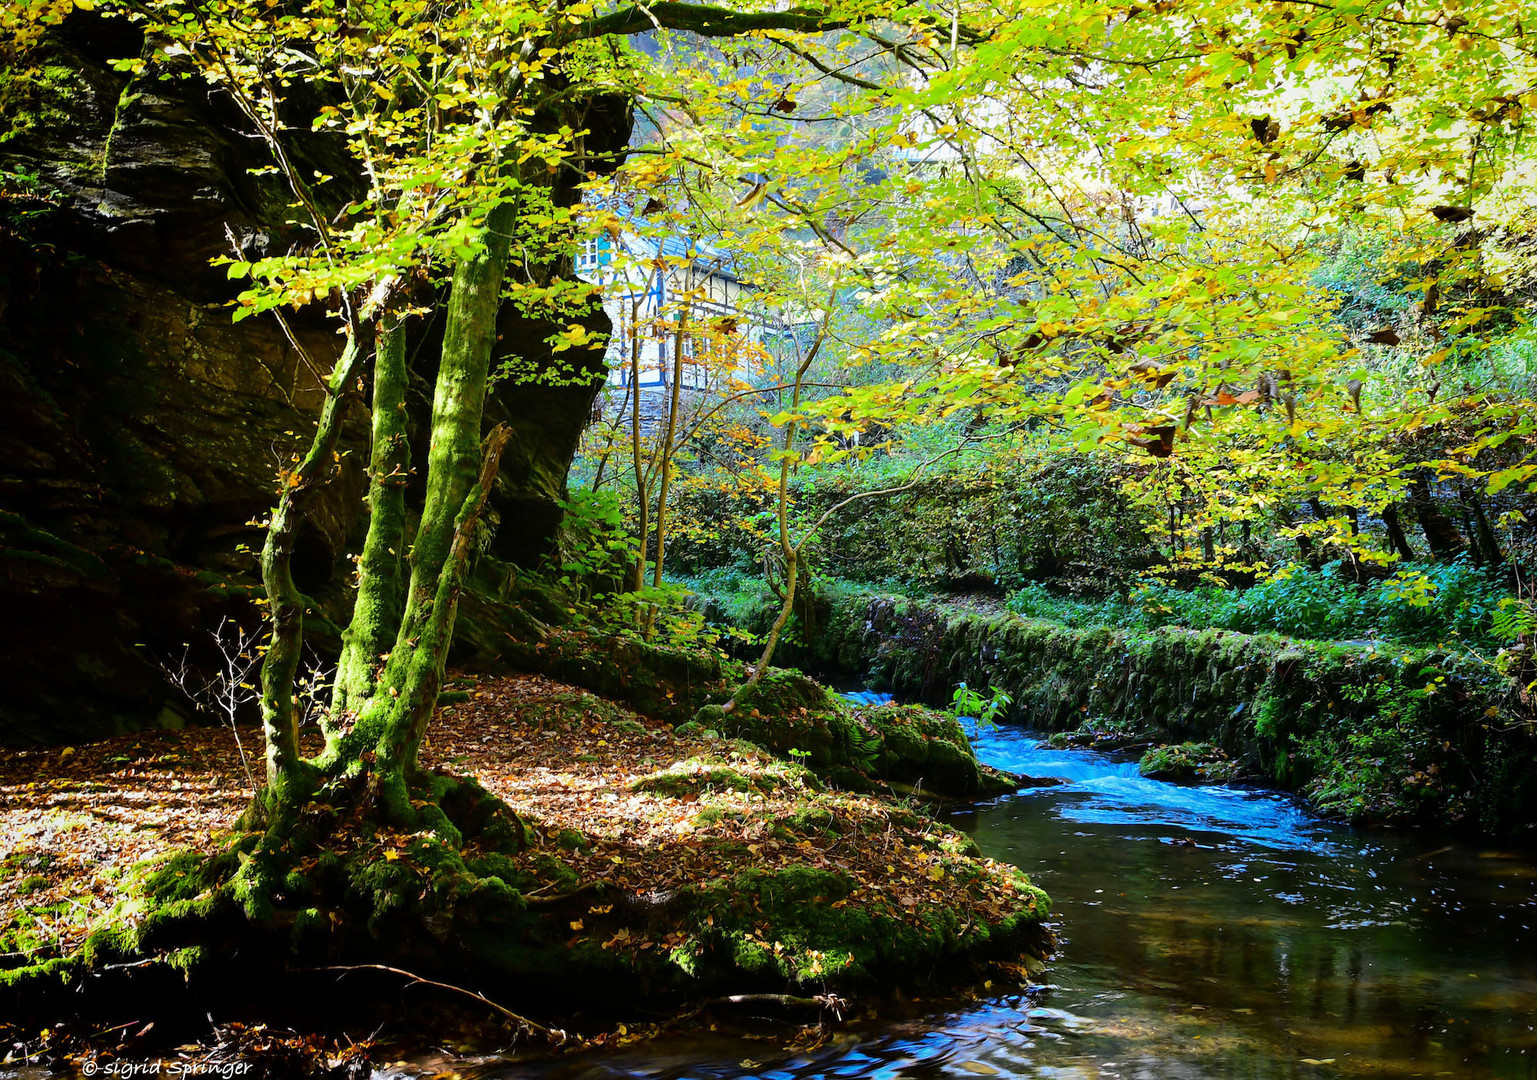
(141, 430)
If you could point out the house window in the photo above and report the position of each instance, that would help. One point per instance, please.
(591, 255)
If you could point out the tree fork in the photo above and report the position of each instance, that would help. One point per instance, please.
(403, 736)
(390, 722)
(458, 405)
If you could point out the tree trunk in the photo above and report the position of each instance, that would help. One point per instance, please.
(418, 692)
(642, 494)
(1441, 535)
(376, 610)
(402, 704)
(285, 603)
(1396, 538)
(1483, 532)
(1304, 542)
(667, 445)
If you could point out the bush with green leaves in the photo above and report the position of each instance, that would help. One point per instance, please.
(595, 544)
(985, 709)
(1441, 603)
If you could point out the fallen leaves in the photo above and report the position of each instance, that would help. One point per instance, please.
(75, 819)
(566, 761)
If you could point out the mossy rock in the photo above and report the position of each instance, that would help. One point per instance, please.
(698, 775)
(574, 707)
(790, 713)
(919, 745)
(655, 680)
(1188, 763)
(860, 748)
(1107, 734)
(805, 925)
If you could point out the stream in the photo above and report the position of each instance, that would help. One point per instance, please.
(1204, 932)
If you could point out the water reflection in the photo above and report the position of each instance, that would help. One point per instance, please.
(1207, 932)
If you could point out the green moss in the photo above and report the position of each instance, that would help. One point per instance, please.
(35, 97)
(661, 681)
(918, 745)
(1188, 763)
(185, 959)
(701, 774)
(807, 925)
(810, 817)
(572, 840)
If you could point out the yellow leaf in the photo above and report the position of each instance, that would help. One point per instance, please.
(576, 924)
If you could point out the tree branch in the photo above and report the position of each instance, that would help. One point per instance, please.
(553, 1034)
(706, 20)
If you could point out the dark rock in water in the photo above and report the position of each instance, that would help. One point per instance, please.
(1038, 781)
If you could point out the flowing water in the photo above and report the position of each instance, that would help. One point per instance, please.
(1205, 932)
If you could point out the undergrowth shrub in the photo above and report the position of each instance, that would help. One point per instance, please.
(1444, 603)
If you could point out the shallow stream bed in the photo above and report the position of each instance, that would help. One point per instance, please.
(1205, 932)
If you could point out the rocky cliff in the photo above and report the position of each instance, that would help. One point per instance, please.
(141, 430)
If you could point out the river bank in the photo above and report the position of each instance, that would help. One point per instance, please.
(1208, 932)
(1366, 731)
(665, 868)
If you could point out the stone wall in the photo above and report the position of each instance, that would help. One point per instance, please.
(1369, 732)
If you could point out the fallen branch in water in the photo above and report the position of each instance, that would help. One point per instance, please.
(553, 1034)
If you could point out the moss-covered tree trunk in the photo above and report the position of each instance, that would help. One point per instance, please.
(368, 770)
(315, 849)
(377, 608)
(285, 766)
(390, 723)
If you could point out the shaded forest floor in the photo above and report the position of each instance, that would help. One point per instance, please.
(618, 799)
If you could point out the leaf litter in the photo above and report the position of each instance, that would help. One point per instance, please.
(622, 800)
